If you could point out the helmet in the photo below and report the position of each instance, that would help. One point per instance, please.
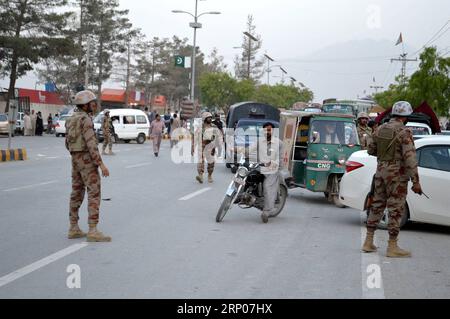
(363, 115)
(206, 115)
(84, 97)
(401, 109)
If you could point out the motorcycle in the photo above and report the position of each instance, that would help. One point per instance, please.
(246, 191)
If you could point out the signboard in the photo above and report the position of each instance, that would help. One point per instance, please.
(182, 61)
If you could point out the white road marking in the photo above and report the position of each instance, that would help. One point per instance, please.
(29, 186)
(138, 165)
(372, 280)
(40, 264)
(190, 196)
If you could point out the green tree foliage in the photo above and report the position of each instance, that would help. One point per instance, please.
(30, 31)
(431, 83)
(221, 90)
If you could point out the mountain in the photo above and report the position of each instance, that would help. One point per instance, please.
(347, 70)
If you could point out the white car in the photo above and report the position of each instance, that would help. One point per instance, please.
(419, 130)
(60, 126)
(129, 125)
(433, 156)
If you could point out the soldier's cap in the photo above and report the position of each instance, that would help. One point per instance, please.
(84, 97)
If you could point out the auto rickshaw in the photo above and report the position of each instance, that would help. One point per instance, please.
(316, 148)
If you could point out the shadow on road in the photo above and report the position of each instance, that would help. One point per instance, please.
(427, 228)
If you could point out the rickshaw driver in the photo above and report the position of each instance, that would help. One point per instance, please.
(326, 135)
(268, 149)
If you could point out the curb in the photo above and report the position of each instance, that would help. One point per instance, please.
(13, 155)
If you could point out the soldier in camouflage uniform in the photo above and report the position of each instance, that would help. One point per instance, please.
(208, 135)
(86, 159)
(107, 128)
(364, 131)
(394, 147)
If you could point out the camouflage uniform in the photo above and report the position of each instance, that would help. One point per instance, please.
(207, 135)
(107, 138)
(86, 160)
(365, 136)
(393, 174)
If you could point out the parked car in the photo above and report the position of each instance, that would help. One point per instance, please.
(4, 124)
(433, 156)
(20, 127)
(445, 133)
(60, 126)
(419, 130)
(128, 125)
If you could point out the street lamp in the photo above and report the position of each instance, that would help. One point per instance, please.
(250, 37)
(284, 72)
(195, 25)
(269, 59)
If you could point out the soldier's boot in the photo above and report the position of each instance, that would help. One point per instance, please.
(111, 152)
(75, 232)
(369, 246)
(94, 236)
(199, 178)
(210, 179)
(104, 152)
(394, 251)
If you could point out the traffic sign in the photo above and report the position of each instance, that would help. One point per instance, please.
(180, 61)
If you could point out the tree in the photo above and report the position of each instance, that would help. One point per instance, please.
(216, 63)
(283, 96)
(109, 29)
(30, 31)
(247, 66)
(218, 90)
(430, 83)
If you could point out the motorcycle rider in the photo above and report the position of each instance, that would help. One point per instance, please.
(268, 150)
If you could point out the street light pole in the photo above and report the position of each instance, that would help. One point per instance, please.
(194, 53)
(268, 67)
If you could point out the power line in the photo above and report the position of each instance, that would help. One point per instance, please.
(434, 36)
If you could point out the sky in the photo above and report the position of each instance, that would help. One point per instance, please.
(334, 47)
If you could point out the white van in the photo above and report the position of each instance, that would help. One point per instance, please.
(129, 125)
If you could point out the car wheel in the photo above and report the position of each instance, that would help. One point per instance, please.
(57, 135)
(141, 139)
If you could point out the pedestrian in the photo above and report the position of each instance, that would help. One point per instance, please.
(205, 139)
(364, 131)
(27, 127)
(156, 132)
(39, 124)
(86, 160)
(107, 128)
(49, 124)
(176, 125)
(393, 145)
(33, 123)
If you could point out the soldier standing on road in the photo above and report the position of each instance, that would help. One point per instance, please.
(206, 137)
(364, 131)
(82, 145)
(156, 132)
(393, 145)
(107, 128)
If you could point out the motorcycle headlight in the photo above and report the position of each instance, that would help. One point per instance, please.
(243, 172)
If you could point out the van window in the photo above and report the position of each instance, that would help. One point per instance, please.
(141, 119)
(129, 120)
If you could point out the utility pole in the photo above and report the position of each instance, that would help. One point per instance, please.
(269, 59)
(403, 58)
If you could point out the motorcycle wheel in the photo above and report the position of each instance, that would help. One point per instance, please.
(281, 201)
(224, 208)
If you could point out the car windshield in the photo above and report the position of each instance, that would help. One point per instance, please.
(334, 133)
(418, 130)
(249, 128)
(3, 118)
